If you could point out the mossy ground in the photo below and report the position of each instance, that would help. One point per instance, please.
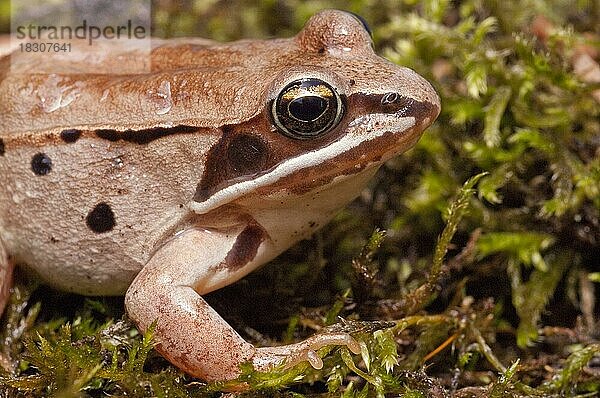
(502, 304)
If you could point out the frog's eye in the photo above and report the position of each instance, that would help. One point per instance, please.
(307, 108)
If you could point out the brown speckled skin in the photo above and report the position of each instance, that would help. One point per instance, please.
(185, 228)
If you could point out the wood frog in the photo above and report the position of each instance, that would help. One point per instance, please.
(167, 185)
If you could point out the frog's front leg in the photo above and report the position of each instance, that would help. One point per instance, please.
(189, 332)
(6, 271)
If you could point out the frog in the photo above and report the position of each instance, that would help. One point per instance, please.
(167, 185)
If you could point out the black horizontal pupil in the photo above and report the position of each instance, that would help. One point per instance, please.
(307, 108)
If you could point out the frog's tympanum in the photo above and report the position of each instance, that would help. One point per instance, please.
(167, 185)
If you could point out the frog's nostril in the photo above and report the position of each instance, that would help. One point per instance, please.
(392, 102)
(389, 98)
(425, 111)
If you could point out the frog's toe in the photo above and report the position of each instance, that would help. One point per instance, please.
(6, 270)
(290, 355)
(326, 339)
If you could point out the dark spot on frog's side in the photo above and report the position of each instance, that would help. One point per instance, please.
(101, 218)
(70, 135)
(41, 164)
(1, 147)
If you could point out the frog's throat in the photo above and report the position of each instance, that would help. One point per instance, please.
(306, 160)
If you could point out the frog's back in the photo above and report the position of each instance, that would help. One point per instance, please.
(190, 82)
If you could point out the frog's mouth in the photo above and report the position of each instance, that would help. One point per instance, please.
(369, 140)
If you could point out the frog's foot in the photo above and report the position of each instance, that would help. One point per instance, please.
(266, 358)
(6, 271)
(168, 290)
(188, 331)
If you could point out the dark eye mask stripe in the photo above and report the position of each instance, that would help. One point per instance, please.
(219, 173)
(219, 186)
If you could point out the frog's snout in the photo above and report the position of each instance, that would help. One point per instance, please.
(394, 117)
(400, 106)
(423, 102)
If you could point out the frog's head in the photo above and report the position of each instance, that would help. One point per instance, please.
(332, 109)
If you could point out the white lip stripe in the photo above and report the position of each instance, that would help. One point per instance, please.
(305, 161)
